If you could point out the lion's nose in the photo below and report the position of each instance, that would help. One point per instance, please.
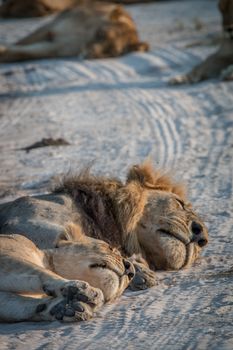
(129, 268)
(198, 234)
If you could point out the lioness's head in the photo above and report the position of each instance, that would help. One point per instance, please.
(169, 233)
(94, 261)
(226, 8)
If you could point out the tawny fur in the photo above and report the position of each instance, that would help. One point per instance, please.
(34, 8)
(117, 212)
(147, 218)
(127, 215)
(89, 30)
(55, 277)
(37, 8)
(216, 65)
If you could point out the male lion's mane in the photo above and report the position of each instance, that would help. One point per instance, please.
(111, 209)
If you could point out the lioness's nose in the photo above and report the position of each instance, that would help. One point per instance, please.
(198, 234)
(129, 268)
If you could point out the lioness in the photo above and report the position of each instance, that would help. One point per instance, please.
(216, 65)
(90, 30)
(147, 218)
(34, 8)
(61, 275)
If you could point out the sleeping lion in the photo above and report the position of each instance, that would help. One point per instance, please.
(147, 218)
(58, 278)
(90, 30)
(219, 64)
(34, 8)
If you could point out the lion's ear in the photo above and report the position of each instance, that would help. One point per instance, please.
(146, 175)
(153, 179)
(72, 233)
(143, 173)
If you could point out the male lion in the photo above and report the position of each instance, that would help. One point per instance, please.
(217, 64)
(90, 30)
(147, 218)
(59, 274)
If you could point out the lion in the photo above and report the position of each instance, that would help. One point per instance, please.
(67, 283)
(38, 8)
(35, 8)
(90, 30)
(216, 65)
(147, 218)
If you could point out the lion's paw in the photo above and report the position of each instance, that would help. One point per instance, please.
(72, 311)
(75, 301)
(196, 75)
(144, 278)
(76, 291)
(82, 291)
(58, 309)
(178, 80)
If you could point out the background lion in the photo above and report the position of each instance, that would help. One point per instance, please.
(59, 274)
(216, 64)
(147, 218)
(29, 8)
(90, 30)
(34, 8)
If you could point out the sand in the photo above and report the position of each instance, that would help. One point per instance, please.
(116, 112)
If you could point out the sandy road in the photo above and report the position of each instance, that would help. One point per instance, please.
(116, 112)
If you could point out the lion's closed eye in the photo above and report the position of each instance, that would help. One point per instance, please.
(180, 203)
(102, 265)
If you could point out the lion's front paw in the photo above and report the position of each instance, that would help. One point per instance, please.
(72, 311)
(59, 309)
(179, 79)
(144, 278)
(82, 291)
(196, 75)
(74, 301)
(76, 291)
